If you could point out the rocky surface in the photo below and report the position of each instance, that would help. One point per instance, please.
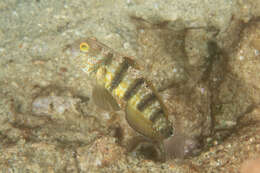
(202, 56)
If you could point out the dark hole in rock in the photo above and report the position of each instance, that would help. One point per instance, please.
(149, 151)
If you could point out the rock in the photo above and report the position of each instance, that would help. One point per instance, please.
(104, 152)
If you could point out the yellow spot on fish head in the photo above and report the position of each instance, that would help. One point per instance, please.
(89, 51)
(89, 46)
(84, 47)
(92, 47)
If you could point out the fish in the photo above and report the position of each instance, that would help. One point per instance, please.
(120, 85)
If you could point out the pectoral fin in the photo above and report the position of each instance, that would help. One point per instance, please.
(103, 99)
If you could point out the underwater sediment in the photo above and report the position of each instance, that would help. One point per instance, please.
(202, 57)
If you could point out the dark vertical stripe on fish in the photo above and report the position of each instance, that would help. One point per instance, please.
(133, 88)
(156, 114)
(146, 101)
(119, 74)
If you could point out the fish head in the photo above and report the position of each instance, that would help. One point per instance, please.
(90, 53)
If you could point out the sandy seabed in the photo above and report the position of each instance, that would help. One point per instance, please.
(202, 56)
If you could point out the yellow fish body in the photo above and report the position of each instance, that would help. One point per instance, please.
(119, 78)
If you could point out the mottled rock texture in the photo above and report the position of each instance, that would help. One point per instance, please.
(202, 56)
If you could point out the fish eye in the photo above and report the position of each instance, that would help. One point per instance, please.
(84, 47)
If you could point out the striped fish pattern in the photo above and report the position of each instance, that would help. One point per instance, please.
(120, 76)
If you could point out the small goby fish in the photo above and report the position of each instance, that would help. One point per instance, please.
(120, 85)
